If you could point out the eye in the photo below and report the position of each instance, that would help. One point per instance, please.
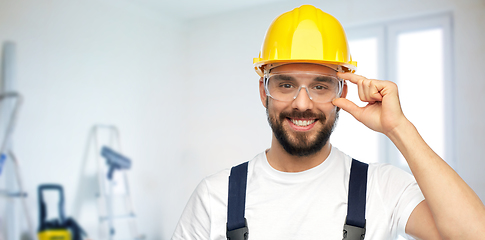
(320, 87)
(286, 85)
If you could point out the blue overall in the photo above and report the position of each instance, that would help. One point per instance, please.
(354, 227)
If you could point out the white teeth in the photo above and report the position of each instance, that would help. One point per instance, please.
(303, 123)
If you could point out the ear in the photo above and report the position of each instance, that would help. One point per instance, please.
(344, 93)
(344, 90)
(262, 92)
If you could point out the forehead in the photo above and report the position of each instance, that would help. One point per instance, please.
(304, 67)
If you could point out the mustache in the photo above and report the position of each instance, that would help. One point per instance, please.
(298, 114)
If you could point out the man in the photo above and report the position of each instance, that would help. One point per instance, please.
(299, 188)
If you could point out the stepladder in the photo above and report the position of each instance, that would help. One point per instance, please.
(12, 187)
(117, 218)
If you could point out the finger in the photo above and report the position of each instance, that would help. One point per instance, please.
(369, 89)
(361, 91)
(348, 106)
(353, 78)
(372, 92)
(366, 86)
(360, 81)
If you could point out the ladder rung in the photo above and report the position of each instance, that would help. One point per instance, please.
(131, 215)
(136, 238)
(13, 194)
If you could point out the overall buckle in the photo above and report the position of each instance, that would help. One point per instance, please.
(353, 232)
(238, 233)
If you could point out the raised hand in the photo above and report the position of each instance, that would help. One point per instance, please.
(383, 112)
(461, 216)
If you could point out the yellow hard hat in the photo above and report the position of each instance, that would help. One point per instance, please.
(307, 35)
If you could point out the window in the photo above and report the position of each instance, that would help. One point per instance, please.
(356, 139)
(416, 54)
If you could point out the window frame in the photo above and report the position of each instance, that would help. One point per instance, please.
(387, 33)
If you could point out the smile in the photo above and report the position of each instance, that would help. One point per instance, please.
(302, 123)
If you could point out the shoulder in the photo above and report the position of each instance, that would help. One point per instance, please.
(217, 184)
(206, 209)
(390, 181)
(387, 172)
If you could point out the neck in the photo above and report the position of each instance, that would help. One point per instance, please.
(280, 160)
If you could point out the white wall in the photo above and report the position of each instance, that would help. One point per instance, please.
(86, 62)
(183, 93)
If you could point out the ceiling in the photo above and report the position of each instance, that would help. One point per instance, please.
(190, 9)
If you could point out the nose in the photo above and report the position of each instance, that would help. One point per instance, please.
(302, 101)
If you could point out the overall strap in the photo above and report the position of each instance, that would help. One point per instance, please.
(354, 228)
(237, 228)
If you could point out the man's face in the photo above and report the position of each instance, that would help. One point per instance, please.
(301, 126)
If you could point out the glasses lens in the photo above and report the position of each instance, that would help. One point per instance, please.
(287, 86)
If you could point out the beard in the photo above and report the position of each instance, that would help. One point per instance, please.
(301, 143)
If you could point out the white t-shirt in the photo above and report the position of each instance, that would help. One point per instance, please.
(306, 205)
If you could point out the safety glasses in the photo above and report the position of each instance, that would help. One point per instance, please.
(285, 86)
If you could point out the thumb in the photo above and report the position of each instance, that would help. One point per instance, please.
(348, 106)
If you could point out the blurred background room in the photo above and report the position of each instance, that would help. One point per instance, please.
(170, 88)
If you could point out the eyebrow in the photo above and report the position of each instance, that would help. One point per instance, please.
(285, 77)
(324, 79)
